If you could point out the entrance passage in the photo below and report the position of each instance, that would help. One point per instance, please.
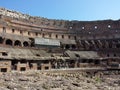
(17, 43)
(22, 69)
(9, 42)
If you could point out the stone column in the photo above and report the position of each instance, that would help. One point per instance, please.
(4, 42)
(22, 44)
(50, 65)
(27, 66)
(18, 66)
(76, 64)
(34, 66)
(13, 43)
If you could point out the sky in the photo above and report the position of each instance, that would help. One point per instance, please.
(82, 10)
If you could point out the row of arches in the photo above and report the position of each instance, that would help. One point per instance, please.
(14, 43)
(94, 44)
(92, 27)
(68, 46)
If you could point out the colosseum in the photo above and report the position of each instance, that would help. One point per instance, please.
(37, 43)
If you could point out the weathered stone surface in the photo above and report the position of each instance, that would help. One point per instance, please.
(56, 81)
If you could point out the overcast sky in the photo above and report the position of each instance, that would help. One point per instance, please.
(83, 10)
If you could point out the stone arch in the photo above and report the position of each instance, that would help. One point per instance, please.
(25, 44)
(1, 40)
(67, 46)
(84, 61)
(97, 62)
(9, 42)
(17, 43)
(117, 45)
(108, 55)
(73, 46)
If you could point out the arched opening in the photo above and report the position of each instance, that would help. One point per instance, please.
(95, 27)
(117, 45)
(67, 46)
(1, 40)
(108, 55)
(73, 47)
(62, 36)
(25, 44)
(77, 55)
(4, 54)
(97, 62)
(114, 55)
(56, 36)
(17, 43)
(109, 26)
(90, 61)
(84, 61)
(9, 42)
(75, 37)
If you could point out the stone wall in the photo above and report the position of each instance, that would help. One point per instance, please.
(33, 19)
(70, 25)
(5, 66)
(95, 25)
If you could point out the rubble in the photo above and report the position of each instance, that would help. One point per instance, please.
(35, 80)
(86, 50)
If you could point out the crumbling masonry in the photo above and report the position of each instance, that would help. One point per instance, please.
(35, 43)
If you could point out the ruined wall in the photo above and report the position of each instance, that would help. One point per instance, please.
(18, 33)
(95, 25)
(62, 24)
(32, 19)
(15, 25)
(5, 66)
(30, 26)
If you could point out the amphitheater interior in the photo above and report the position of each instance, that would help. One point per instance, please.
(37, 43)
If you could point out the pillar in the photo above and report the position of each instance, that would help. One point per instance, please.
(4, 42)
(13, 43)
(76, 62)
(18, 66)
(49, 65)
(27, 66)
